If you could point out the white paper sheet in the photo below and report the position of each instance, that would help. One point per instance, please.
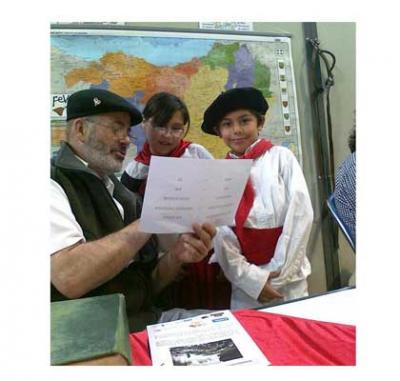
(180, 192)
(216, 338)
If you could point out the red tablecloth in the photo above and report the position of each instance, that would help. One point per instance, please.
(285, 340)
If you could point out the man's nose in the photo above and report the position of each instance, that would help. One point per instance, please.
(125, 139)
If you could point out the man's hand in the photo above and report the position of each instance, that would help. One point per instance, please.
(268, 293)
(189, 248)
(193, 247)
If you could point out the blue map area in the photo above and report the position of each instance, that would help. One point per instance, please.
(155, 50)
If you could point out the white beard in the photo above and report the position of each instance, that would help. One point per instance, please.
(99, 157)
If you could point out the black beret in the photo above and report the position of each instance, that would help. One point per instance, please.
(231, 100)
(98, 101)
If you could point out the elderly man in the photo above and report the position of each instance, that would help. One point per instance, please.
(96, 247)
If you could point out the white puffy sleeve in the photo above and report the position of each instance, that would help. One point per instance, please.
(290, 252)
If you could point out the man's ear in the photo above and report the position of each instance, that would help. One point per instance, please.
(80, 129)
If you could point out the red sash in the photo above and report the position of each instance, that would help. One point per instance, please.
(258, 245)
(144, 157)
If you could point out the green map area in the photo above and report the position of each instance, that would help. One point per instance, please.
(196, 69)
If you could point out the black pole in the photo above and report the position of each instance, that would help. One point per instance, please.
(322, 142)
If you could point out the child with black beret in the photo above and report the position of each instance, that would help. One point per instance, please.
(264, 254)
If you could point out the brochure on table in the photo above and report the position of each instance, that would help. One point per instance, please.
(215, 338)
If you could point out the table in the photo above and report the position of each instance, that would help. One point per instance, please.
(338, 306)
(318, 330)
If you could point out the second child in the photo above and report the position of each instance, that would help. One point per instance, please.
(264, 255)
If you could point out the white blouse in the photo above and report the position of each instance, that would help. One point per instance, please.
(281, 199)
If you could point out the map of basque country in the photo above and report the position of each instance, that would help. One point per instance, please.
(195, 69)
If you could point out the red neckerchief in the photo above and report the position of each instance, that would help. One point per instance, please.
(144, 157)
(247, 199)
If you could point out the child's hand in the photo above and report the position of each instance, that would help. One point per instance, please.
(274, 274)
(268, 293)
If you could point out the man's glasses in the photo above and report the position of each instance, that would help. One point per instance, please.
(118, 129)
